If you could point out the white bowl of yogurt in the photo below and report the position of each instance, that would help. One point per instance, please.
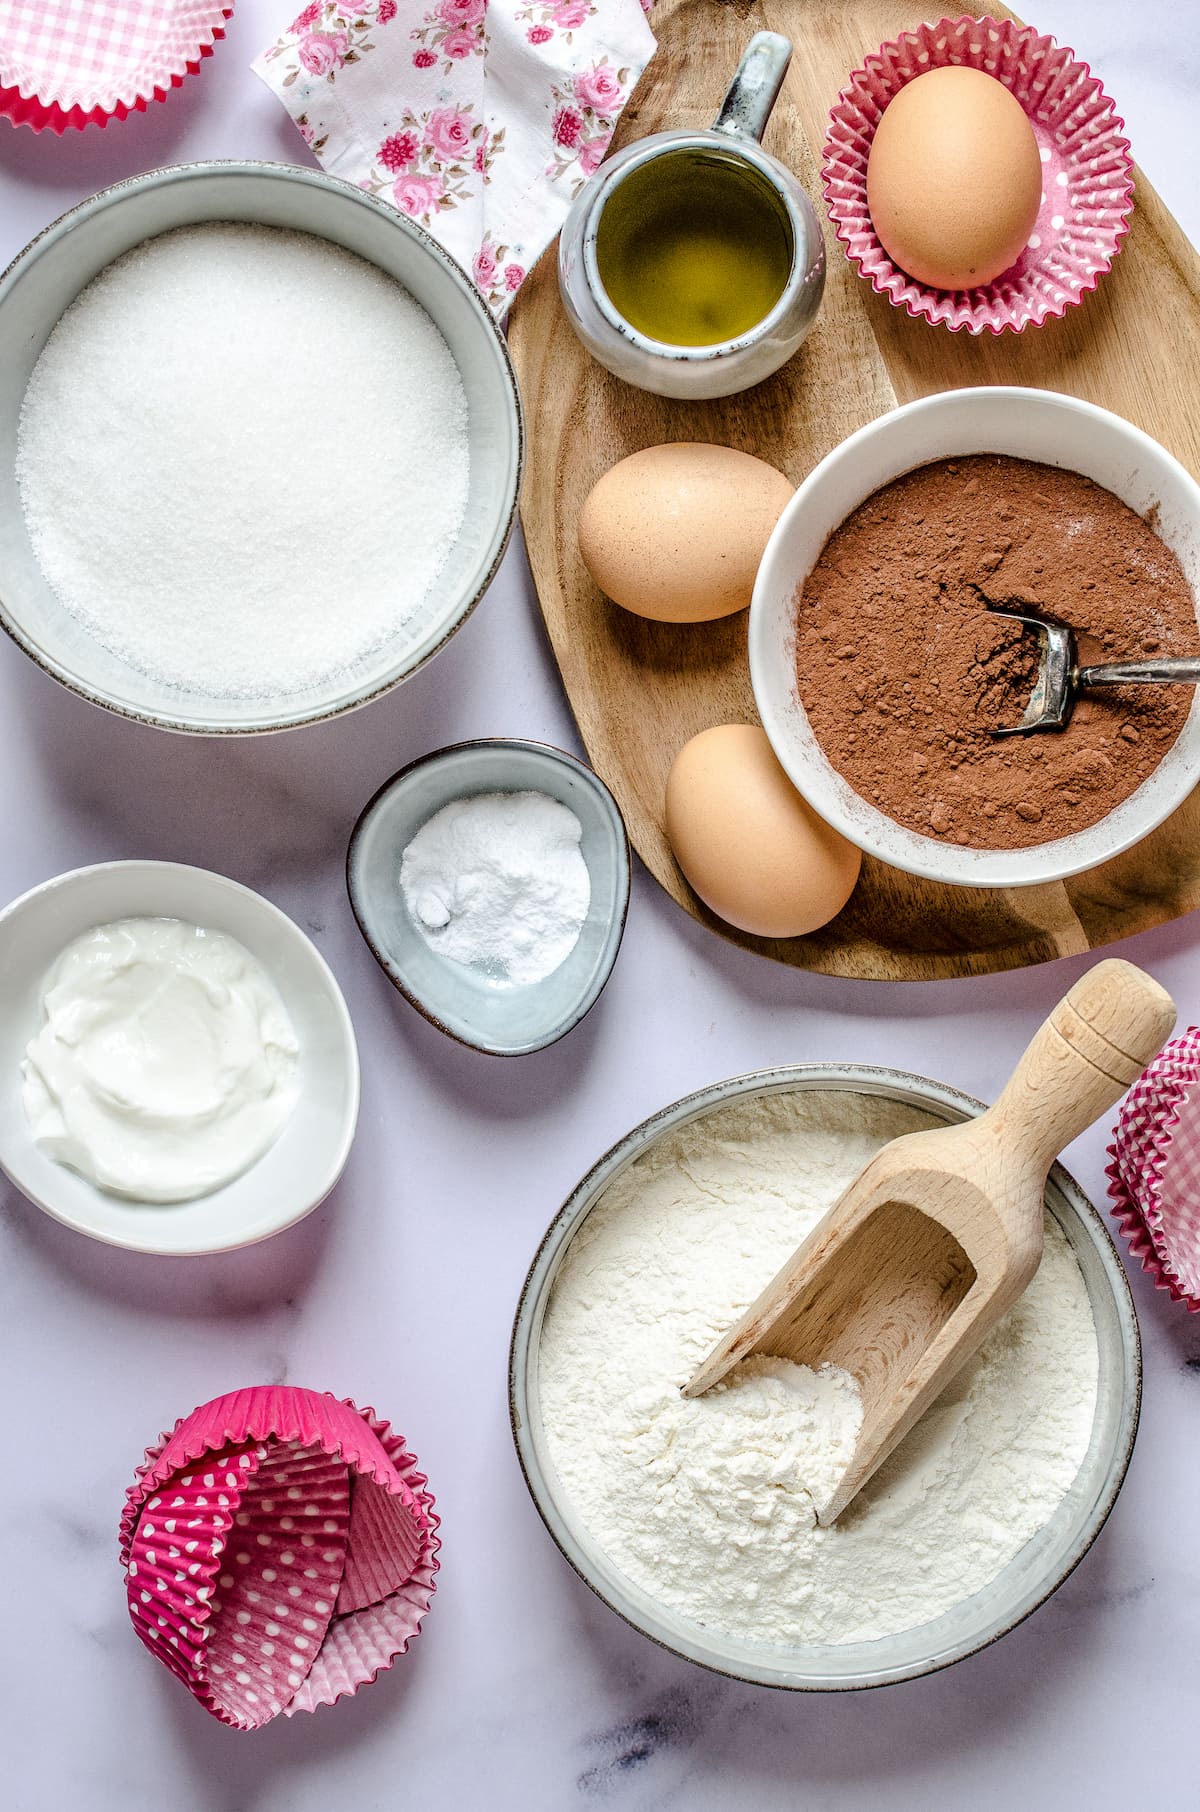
(181, 1074)
(689, 1519)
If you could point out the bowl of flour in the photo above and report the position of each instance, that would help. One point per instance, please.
(695, 1520)
(260, 447)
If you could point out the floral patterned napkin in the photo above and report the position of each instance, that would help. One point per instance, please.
(479, 118)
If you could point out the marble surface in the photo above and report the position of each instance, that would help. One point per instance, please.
(523, 1691)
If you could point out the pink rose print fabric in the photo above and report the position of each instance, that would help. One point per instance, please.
(480, 119)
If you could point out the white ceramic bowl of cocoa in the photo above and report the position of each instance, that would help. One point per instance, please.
(45, 278)
(1036, 425)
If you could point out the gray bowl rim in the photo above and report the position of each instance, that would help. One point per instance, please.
(167, 174)
(857, 1078)
(625, 882)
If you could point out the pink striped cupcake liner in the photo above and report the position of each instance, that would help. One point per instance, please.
(1154, 1169)
(279, 1549)
(1088, 173)
(73, 63)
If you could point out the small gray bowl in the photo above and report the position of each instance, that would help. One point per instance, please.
(504, 1022)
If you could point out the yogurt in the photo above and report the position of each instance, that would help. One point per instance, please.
(166, 1063)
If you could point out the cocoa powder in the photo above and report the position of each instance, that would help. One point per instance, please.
(904, 673)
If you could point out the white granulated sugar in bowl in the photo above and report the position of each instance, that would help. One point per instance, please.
(707, 1505)
(243, 460)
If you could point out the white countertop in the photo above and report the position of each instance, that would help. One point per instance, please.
(523, 1692)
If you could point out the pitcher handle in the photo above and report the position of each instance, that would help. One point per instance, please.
(755, 86)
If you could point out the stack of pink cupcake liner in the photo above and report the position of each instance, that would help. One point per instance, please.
(280, 1549)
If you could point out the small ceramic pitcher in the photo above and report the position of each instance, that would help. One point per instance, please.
(730, 365)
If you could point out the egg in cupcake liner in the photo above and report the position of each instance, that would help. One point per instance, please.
(1087, 172)
(1154, 1169)
(72, 63)
(280, 1549)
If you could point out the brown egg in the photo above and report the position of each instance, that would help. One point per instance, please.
(750, 846)
(676, 533)
(954, 178)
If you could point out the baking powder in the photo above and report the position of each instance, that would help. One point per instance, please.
(708, 1504)
(497, 882)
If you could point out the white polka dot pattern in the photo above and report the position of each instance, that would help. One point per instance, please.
(257, 1625)
(280, 1549)
(1154, 1172)
(1087, 188)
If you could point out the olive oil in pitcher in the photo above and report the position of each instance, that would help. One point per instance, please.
(694, 248)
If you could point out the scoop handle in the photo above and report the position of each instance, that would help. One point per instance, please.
(1094, 1045)
(1171, 670)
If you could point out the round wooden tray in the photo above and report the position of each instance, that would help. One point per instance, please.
(639, 690)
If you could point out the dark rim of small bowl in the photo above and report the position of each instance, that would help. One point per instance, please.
(317, 179)
(550, 750)
(639, 1139)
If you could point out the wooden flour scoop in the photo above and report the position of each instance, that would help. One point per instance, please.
(916, 1263)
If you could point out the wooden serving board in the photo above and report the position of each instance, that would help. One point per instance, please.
(639, 690)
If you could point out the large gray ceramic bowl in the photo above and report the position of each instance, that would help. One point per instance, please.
(1029, 1578)
(47, 276)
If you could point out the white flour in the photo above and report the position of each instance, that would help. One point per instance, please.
(497, 882)
(706, 1505)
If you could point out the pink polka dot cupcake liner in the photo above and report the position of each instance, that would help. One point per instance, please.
(279, 1549)
(73, 63)
(1087, 190)
(1154, 1169)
